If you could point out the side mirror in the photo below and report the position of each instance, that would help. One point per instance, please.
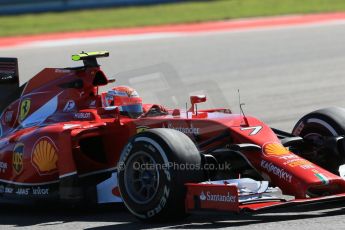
(110, 110)
(195, 100)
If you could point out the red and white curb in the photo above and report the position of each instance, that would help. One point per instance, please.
(168, 31)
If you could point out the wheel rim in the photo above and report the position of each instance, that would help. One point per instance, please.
(321, 155)
(141, 177)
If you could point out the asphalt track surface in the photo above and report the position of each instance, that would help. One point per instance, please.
(282, 74)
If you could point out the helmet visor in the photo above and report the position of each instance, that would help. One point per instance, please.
(136, 108)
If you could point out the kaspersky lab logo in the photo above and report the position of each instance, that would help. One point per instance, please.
(208, 196)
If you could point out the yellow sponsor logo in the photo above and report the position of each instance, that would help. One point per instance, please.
(141, 129)
(45, 156)
(17, 158)
(24, 109)
(299, 163)
(275, 149)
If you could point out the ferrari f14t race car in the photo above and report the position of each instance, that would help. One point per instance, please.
(61, 140)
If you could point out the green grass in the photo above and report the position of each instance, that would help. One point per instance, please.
(190, 11)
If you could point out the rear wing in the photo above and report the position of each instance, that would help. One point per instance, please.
(90, 58)
(9, 81)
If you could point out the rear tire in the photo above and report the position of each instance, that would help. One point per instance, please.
(315, 128)
(150, 180)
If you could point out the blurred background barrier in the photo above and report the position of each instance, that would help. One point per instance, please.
(36, 6)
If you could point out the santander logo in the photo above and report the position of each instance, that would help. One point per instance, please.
(208, 196)
(202, 196)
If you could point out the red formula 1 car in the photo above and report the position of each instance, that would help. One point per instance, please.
(62, 140)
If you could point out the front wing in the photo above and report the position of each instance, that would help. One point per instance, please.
(231, 197)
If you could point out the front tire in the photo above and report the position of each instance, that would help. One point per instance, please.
(317, 129)
(152, 171)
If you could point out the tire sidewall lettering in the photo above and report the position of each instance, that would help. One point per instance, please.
(298, 129)
(125, 153)
(153, 146)
(160, 150)
(161, 204)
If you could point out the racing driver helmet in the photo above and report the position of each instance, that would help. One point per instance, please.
(126, 99)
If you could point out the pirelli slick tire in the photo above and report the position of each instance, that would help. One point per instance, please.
(152, 171)
(315, 126)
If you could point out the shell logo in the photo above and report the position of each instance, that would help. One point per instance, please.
(275, 149)
(44, 156)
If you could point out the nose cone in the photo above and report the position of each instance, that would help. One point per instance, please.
(297, 176)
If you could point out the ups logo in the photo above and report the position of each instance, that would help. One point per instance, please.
(17, 158)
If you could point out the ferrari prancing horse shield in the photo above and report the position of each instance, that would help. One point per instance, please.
(24, 109)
